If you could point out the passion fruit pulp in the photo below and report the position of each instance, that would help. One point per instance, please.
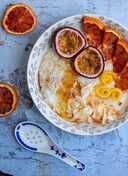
(68, 42)
(89, 63)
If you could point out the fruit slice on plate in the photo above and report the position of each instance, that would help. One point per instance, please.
(122, 80)
(19, 19)
(93, 28)
(107, 77)
(110, 39)
(8, 99)
(116, 94)
(121, 56)
(122, 84)
(102, 91)
(68, 42)
(89, 62)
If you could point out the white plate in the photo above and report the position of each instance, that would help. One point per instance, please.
(39, 49)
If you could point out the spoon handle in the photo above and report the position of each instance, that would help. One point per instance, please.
(68, 159)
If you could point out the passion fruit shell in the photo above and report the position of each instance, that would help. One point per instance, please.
(68, 42)
(89, 63)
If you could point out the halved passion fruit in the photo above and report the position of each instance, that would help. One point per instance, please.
(94, 29)
(8, 99)
(89, 62)
(68, 42)
(19, 19)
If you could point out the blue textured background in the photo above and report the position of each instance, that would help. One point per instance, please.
(105, 155)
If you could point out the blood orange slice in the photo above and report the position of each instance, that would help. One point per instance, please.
(110, 39)
(121, 56)
(122, 84)
(19, 19)
(8, 99)
(93, 28)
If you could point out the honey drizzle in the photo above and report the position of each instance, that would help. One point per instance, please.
(64, 92)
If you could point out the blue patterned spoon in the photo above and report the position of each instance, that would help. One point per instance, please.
(32, 137)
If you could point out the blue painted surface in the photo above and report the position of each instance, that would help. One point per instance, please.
(105, 155)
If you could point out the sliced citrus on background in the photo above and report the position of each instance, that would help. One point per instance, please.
(19, 19)
(94, 29)
(116, 94)
(8, 99)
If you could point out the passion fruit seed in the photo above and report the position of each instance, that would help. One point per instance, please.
(68, 42)
(89, 63)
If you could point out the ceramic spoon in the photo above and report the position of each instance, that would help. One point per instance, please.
(32, 137)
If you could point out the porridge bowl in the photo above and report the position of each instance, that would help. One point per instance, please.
(83, 94)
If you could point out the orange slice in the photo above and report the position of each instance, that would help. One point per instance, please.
(122, 79)
(93, 28)
(121, 56)
(93, 20)
(19, 19)
(122, 84)
(110, 39)
(123, 43)
(8, 99)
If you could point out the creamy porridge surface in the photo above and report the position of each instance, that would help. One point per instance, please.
(72, 96)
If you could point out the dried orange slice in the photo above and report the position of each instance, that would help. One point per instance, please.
(8, 99)
(93, 28)
(19, 19)
(110, 39)
(120, 57)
